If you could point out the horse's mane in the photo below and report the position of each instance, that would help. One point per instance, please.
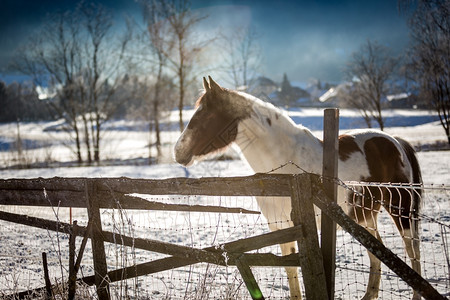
(242, 103)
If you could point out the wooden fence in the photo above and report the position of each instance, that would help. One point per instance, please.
(113, 193)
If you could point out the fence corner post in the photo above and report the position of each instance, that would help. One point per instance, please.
(311, 261)
(98, 247)
(330, 172)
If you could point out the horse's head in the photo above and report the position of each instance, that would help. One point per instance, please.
(213, 126)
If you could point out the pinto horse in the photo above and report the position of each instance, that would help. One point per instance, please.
(268, 139)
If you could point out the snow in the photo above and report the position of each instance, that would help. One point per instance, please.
(21, 247)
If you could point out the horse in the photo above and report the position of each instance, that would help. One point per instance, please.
(267, 139)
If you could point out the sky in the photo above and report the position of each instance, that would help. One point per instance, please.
(304, 39)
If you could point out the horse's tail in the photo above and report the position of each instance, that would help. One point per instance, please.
(417, 174)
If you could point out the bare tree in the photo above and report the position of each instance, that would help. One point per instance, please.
(157, 38)
(370, 70)
(430, 55)
(104, 68)
(242, 56)
(52, 57)
(77, 54)
(183, 54)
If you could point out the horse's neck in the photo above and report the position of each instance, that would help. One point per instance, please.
(270, 139)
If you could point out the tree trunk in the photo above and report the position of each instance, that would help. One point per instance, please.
(150, 130)
(181, 101)
(86, 140)
(157, 129)
(97, 141)
(78, 143)
(19, 144)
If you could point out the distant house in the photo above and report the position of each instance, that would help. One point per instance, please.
(406, 100)
(269, 90)
(332, 97)
(263, 86)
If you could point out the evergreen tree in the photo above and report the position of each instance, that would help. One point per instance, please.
(286, 94)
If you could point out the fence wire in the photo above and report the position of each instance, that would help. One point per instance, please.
(352, 263)
(21, 263)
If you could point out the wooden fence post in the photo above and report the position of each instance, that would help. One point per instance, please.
(329, 172)
(48, 285)
(98, 247)
(72, 273)
(308, 245)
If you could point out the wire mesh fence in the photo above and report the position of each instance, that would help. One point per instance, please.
(21, 248)
(352, 263)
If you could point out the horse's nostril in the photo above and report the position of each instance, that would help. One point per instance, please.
(182, 158)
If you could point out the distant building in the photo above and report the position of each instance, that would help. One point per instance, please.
(335, 96)
(280, 94)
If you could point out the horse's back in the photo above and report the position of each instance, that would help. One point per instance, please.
(371, 155)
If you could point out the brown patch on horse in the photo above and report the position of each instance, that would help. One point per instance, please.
(347, 146)
(384, 161)
(385, 165)
(217, 132)
(417, 178)
(215, 126)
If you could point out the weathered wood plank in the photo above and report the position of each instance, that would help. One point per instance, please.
(249, 279)
(98, 247)
(48, 285)
(72, 272)
(50, 184)
(254, 185)
(211, 254)
(308, 243)
(132, 202)
(330, 173)
(43, 198)
(69, 192)
(106, 200)
(178, 262)
(38, 222)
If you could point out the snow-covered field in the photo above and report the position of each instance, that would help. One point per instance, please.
(21, 247)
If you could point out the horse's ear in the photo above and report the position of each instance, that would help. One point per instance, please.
(214, 86)
(206, 85)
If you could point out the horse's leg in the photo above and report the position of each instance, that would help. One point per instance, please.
(409, 231)
(373, 285)
(364, 211)
(278, 216)
(292, 272)
(400, 208)
(412, 246)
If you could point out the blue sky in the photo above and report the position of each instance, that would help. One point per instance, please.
(305, 39)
